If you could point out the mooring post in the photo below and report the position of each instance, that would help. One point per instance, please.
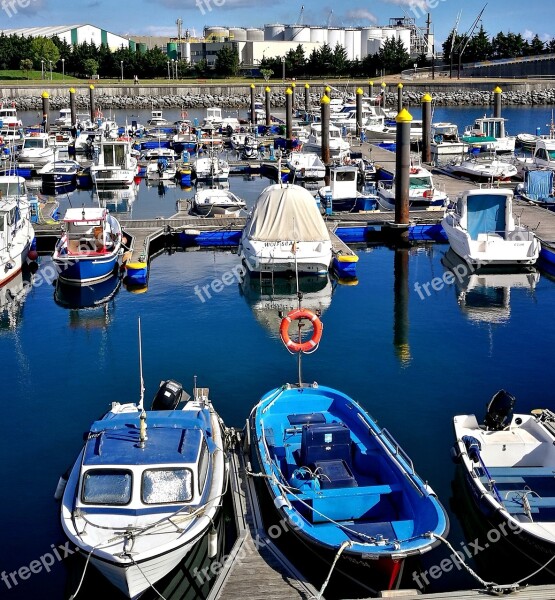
(325, 118)
(267, 91)
(359, 95)
(399, 97)
(253, 102)
(402, 167)
(306, 98)
(497, 93)
(91, 102)
(293, 89)
(371, 89)
(327, 91)
(384, 93)
(426, 128)
(45, 111)
(72, 107)
(289, 117)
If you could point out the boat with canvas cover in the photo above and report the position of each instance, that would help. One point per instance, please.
(285, 232)
(338, 482)
(481, 229)
(147, 486)
(538, 188)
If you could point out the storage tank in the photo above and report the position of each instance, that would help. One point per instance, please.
(238, 34)
(288, 33)
(404, 36)
(255, 35)
(336, 36)
(364, 37)
(142, 48)
(186, 51)
(132, 45)
(374, 46)
(274, 32)
(318, 35)
(388, 32)
(300, 34)
(350, 44)
(215, 33)
(171, 49)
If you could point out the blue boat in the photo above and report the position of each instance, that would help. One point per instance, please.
(91, 247)
(538, 188)
(342, 195)
(339, 483)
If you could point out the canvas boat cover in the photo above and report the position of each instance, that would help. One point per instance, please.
(486, 214)
(286, 213)
(539, 184)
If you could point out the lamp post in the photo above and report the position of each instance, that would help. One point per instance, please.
(168, 68)
(42, 68)
(121, 66)
(50, 69)
(283, 65)
(173, 67)
(176, 69)
(63, 69)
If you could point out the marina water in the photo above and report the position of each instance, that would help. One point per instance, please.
(413, 360)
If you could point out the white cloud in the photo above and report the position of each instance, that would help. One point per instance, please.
(527, 34)
(361, 14)
(421, 4)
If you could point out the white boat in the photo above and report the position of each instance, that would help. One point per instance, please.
(209, 202)
(488, 133)
(157, 119)
(88, 141)
(543, 157)
(64, 118)
(339, 148)
(388, 131)
(62, 172)
(508, 464)
(285, 232)
(147, 486)
(423, 193)
(306, 166)
(482, 168)
(116, 164)
(481, 229)
(84, 121)
(213, 117)
(161, 163)
(16, 230)
(9, 118)
(445, 141)
(211, 168)
(342, 195)
(36, 150)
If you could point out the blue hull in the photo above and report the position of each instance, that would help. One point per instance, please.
(86, 269)
(211, 238)
(351, 204)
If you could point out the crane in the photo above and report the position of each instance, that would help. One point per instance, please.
(329, 18)
(300, 17)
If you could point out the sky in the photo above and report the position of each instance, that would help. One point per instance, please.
(157, 17)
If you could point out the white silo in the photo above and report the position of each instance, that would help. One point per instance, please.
(186, 52)
(300, 34)
(364, 37)
(388, 32)
(318, 35)
(374, 44)
(216, 33)
(336, 36)
(357, 37)
(255, 35)
(288, 33)
(238, 34)
(404, 36)
(274, 32)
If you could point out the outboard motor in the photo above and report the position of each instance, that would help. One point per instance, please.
(499, 411)
(168, 396)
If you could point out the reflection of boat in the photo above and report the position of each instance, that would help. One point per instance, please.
(508, 463)
(484, 294)
(86, 296)
(481, 229)
(138, 500)
(117, 200)
(269, 296)
(12, 297)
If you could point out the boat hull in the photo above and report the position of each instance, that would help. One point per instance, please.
(80, 270)
(265, 261)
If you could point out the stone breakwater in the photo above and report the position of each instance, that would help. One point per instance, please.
(277, 99)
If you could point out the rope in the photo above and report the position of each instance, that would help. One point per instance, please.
(146, 578)
(83, 575)
(345, 544)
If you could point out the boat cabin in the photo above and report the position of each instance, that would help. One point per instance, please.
(214, 114)
(12, 186)
(8, 117)
(544, 153)
(420, 178)
(343, 182)
(114, 154)
(87, 229)
(489, 127)
(486, 213)
(36, 141)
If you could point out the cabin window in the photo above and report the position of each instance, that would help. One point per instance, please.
(551, 154)
(203, 463)
(420, 182)
(107, 487)
(163, 486)
(34, 143)
(345, 175)
(10, 189)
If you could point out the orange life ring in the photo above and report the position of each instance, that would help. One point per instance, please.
(296, 315)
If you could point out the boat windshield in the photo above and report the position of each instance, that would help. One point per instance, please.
(107, 487)
(162, 486)
(421, 182)
(34, 143)
(12, 188)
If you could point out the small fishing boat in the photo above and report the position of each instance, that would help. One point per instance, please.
(446, 141)
(489, 134)
(339, 147)
(64, 118)
(213, 116)
(116, 164)
(343, 195)
(285, 232)
(36, 150)
(157, 119)
(16, 231)
(161, 164)
(423, 193)
(211, 168)
(59, 173)
(340, 483)
(145, 490)
(538, 188)
(91, 246)
(481, 229)
(527, 141)
(486, 167)
(509, 464)
(9, 118)
(214, 201)
(306, 166)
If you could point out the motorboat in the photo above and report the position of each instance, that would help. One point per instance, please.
(538, 188)
(213, 117)
(285, 232)
(482, 167)
(147, 486)
(88, 142)
(508, 463)
(64, 118)
(91, 246)
(161, 164)
(366, 168)
(306, 166)
(543, 157)
(61, 141)
(445, 141)
(481, 229)
(209, 202)
(157, 119)
(340, 483)
(211, 167)
(36, 149)
(9, 118)
(527, 141)
(388, 130)
(59, 173)
(339, 148)
(116, 164)
(16, 230)
(489, 134)
(423, 193)
(342, 193)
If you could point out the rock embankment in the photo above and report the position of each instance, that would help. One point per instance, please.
(461, 97)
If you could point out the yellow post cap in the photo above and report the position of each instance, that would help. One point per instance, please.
(267, 89)
(360, 92)
(370, 83)
(45, 95)
(426, 97)
(289, 91)
(252, 86)
(72, 90)
(293, 85)
(400, 86)
(91, 86)
(307, 85)
(497, 90)
(384, 84)
(403, 117)
(327, 88)
(325, 100)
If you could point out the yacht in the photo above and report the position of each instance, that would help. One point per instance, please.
(36, 149)
(115, 166)
(488, 133)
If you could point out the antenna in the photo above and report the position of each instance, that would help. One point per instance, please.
(142, 383)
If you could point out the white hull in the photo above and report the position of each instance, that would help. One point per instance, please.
(310, 257)
(335, 151)
(484, 170)
(12, 261)
(448, 149)
(105, 177)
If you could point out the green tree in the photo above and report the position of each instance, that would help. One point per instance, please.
(267, 74)
(479, 47)
(536, 46)
(340, 61)
(227, 62)
(201, 68)
(394, 56)
(90, 67)
(44, 49)
(26, 64)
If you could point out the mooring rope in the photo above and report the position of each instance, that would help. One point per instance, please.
(345, 544)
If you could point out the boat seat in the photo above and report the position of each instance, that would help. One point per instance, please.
(516, 507)
(334, 474)
(325, 441)
(302, 418)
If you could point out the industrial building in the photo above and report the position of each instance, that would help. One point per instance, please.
(76, 34)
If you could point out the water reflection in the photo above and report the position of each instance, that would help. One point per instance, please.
(269, 297)
(401, 306)
(12, 298)
(484, 294)
(117, 200)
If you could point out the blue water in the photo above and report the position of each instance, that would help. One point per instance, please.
(413, 364)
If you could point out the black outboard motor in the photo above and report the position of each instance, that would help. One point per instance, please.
(499, 411)
(168, 396)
